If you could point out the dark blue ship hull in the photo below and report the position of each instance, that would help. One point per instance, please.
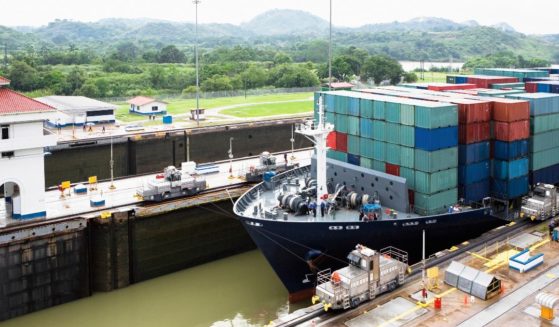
(296, 250)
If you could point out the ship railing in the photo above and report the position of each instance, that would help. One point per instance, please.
(395, 253)
(323, 276)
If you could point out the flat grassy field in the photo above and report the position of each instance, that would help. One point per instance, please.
(432, 77)
(270, 109)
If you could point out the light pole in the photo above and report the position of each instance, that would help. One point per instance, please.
(112, 163)
(196, 2)
(292, 140)
(330, 52)
(230, 152)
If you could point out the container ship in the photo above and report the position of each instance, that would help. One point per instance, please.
(391, 163)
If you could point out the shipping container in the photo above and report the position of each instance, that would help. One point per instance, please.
(435, 203)
(474, 192)
(353, 159)
(331, 140)
(450, 87)
(473, 173)
(437, 138)
(544, 141)
(366, 108)
(407, 136)
(353, 108)
(341, 142)
(540, 103)
(514, 131)
(341, 104)
(409, 175)
(330, 117)
(366, 148)
(544, 123)
(353, 144)
(392, 112)
(436, 115)
(407, 114)
(510, 169)
(366, 127)
(379, 130)
(474, 132)
(379, 151)
(379, 110)
(472, 111)
(543, 159)
(337, 155)
(429, 183)
(407, 157)
(474, 152)
(329, 103)
(392, 133)
(353, 125)
(366, 162)
(509, 189)
(508, 85)
(392, 169)
(510, 150)
(549, 175)
(507, 110)
(531, 87)
(378, 166)
(432, 161)
(518, 73)
(341, 123)
(393, 153)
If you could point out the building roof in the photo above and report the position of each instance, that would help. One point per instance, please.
(75, 103)
(340, 85)
(12, 102)
(140, 101)
(4, 81)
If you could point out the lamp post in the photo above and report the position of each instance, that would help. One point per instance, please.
(112, 163)
(230, 152)
(330, 52)
(196, 2)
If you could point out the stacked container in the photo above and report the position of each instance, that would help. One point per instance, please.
(544, 137)
(521, 74)
(410, 138)
(510, 163)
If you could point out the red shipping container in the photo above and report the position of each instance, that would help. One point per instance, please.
(531, 87)
(341, 142)
(473, 133)
(331, 140)
(507, 110)
(513, 131)
(448, 87)
(471, 111)
(392, 169)
(485, 82)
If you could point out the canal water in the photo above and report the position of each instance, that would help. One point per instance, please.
(241, 290)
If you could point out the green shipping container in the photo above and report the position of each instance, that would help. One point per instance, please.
(544, 141)
(392, 133)
(543, 159)
(378, 110)
(393, 153)
(366, 162)
(379, 129)
(379, 166)
(366, 148)
(330, 118)
(409, 175)
(341, 105)
(407, 114)
(337, 155)
(353, 144)
(435, 116)
(379, 151)
(544, 123)
(407, 157)
(432, 161)
(407, 136)
(429, 183)
(341, 123)
(392, 112)
(430, 204)
(353, 125)
(366, 107)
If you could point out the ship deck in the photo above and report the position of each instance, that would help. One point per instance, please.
(124, 193)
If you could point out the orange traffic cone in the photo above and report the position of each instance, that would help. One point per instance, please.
(465, 300)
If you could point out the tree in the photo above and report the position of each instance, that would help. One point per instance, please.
(293, 76)
(410, 77)
(217, 83)
(282, 58)
(343, 67)
(156, 76)
(254, 77)
(170, 54)
(89, 89)
(23, 77)
(381, 68)
(74, 81)
(126, 51)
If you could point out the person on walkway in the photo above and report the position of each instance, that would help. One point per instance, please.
(90, 129)
(312, 206)
(103, 130)
(285, 158)
(322, 208)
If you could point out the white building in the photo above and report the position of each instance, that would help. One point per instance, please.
(78, 110)
(147, 106)
(22, 142)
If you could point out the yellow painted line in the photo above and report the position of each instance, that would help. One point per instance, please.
(501, 257)
(539, 244)
(551, 276)
(479, 256)
(453, 248)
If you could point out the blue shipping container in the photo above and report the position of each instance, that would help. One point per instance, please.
(509, 189)
(353, 107)
(549, 175)
(461, 80)
(366, 128)
(544, 88)
(474, 192)
(510, 169)
(510, 150)
(353, 159)
(475, 152)
(437, 138)
(473, 173)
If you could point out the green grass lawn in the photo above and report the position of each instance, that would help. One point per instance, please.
(432, 77)
(183, 106)
(270, 109)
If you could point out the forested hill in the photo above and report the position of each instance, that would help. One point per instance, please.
(293, 32)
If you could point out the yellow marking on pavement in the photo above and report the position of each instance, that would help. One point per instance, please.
(479, 256)
(501, 257)
(551, 276)
(453, 248)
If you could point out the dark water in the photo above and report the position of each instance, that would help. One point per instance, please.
(237, 291)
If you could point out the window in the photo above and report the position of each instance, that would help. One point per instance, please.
(5, 132)
(99, 113)
(8, 154)
(154, 108)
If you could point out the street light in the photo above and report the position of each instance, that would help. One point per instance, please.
(330, 52)
(230, 152)
(112, 163)
(196, 2)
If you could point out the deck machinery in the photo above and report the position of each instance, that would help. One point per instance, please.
(173, 183)
(542, 204)
(368, 274)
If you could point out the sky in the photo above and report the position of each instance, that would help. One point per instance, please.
(530, 17)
